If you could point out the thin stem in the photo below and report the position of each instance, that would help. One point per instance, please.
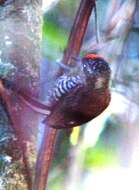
(96, 24)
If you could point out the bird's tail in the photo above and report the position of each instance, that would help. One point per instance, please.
(35, 104)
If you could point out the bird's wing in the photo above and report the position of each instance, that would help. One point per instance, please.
(64, 85)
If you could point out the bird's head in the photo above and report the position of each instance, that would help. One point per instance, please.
(96, 68)
(95, 65)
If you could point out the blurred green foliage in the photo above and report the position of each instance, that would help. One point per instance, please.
(54, 40)
(57, 24)
(55, 34)
(100, 156)
(106, 151)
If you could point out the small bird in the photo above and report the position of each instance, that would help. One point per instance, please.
(76, 98)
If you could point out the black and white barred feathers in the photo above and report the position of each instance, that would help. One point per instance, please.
(64, 85)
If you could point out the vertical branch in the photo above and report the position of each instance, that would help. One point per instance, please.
(77, 33)
(78, 30)
(45, 156)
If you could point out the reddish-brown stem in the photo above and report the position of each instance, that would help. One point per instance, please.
(44, 159)
(78, 30)
(45, 154)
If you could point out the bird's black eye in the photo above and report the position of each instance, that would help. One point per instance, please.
(102, 66)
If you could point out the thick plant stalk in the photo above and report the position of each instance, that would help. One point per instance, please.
(19, 36)
(45, 154)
